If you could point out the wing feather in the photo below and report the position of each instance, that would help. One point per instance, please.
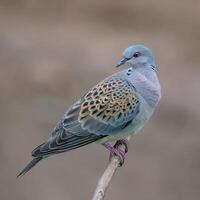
(104, 110)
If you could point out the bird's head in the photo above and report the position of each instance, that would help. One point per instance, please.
(137, 56)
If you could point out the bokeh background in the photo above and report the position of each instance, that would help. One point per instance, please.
(52, 52)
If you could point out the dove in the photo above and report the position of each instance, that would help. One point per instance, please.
(115, 108)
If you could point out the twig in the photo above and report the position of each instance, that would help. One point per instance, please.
(105, 179)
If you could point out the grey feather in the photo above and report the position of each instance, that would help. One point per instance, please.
(29, 166)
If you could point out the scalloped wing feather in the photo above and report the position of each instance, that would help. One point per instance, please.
(105, 110)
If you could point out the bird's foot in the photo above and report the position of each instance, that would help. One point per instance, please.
(117, 151)
(122, 142)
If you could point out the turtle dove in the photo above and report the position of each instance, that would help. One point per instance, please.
(115, 108)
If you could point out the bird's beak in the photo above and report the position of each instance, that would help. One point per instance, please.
(122, 62)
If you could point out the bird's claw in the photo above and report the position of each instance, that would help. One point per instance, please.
(122, 142)
(117, 151)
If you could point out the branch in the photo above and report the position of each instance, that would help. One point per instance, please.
(105, 179)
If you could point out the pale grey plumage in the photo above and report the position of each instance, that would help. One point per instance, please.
(116, 107)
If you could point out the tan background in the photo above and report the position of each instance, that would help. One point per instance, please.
(51, 52)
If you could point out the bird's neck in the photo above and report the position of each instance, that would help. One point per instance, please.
(139, 72)
(148, 72)
(146, 82)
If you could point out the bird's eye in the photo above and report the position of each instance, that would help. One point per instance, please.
(136, 54)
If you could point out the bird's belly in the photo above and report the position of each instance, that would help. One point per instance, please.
(133, 128)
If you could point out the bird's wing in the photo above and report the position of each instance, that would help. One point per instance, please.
(105, 109)
(109, 105)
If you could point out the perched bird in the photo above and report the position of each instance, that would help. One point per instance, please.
(115, 108)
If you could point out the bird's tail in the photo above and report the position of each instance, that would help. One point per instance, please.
(30, 165)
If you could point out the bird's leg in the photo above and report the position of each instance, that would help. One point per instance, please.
(118, 143)
(115, 151)
(125, 142)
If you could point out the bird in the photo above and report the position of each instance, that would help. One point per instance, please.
(112, 110)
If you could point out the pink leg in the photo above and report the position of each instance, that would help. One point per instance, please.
(125, 142)
(114, 150)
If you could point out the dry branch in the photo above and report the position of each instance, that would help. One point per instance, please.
(105, 179)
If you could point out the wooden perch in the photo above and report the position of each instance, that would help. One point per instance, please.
(105, 179)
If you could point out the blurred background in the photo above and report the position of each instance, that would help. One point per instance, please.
(52, 52)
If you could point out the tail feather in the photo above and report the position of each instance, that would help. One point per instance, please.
(36, 151)
(30, 166)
